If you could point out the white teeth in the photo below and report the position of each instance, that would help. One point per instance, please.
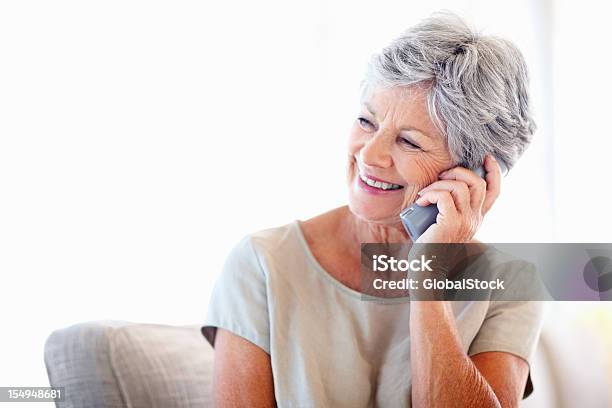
(379, 184)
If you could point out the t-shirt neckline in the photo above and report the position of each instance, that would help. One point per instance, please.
(322, 271)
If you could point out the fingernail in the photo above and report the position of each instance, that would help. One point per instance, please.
(493, 158)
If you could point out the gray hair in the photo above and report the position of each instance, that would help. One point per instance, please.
(477, 86)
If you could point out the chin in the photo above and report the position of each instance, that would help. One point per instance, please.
(372, 213)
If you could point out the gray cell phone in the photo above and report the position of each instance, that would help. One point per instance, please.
(417, 219)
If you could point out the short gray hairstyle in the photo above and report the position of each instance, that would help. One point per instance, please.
(477, 86)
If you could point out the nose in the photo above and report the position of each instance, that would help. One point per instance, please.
(376, 152)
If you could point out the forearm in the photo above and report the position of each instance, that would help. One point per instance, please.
(443, 375)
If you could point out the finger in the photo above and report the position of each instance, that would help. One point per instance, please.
(477, 186)
(458, 189)
(493, 184)
(443, 200)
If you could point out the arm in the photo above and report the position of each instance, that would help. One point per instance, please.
(444, 375)
(242, 373)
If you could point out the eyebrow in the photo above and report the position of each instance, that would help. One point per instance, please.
(408, 128)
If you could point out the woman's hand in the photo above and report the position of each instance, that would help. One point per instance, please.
(463, 198)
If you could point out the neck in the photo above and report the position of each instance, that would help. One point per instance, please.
(359, 230)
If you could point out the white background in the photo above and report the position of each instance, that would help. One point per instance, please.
(139, 141)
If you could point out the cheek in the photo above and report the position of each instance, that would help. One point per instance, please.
(354, 145)
(356, 139)
(420, 171)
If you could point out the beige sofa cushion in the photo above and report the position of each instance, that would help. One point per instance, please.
(162, 366)
(121, 364)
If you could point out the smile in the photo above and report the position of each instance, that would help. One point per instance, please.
(379, 184)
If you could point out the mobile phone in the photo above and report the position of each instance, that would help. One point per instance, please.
(417, 219)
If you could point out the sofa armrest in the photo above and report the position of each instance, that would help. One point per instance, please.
(78, 358)
(121, 364)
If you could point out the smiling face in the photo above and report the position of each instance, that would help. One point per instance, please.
(395, 150)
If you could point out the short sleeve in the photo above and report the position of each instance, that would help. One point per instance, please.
(239, 299)
(513, 327)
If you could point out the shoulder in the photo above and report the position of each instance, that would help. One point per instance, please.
(261, 249)
(274, 239)
(496, 259)
(519, 307)
(520, 276)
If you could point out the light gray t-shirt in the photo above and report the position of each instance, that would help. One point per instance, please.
(330, 348)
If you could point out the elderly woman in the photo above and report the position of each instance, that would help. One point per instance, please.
(287, 319)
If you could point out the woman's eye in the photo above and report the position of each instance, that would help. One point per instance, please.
(364, 123)
(409, 143)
